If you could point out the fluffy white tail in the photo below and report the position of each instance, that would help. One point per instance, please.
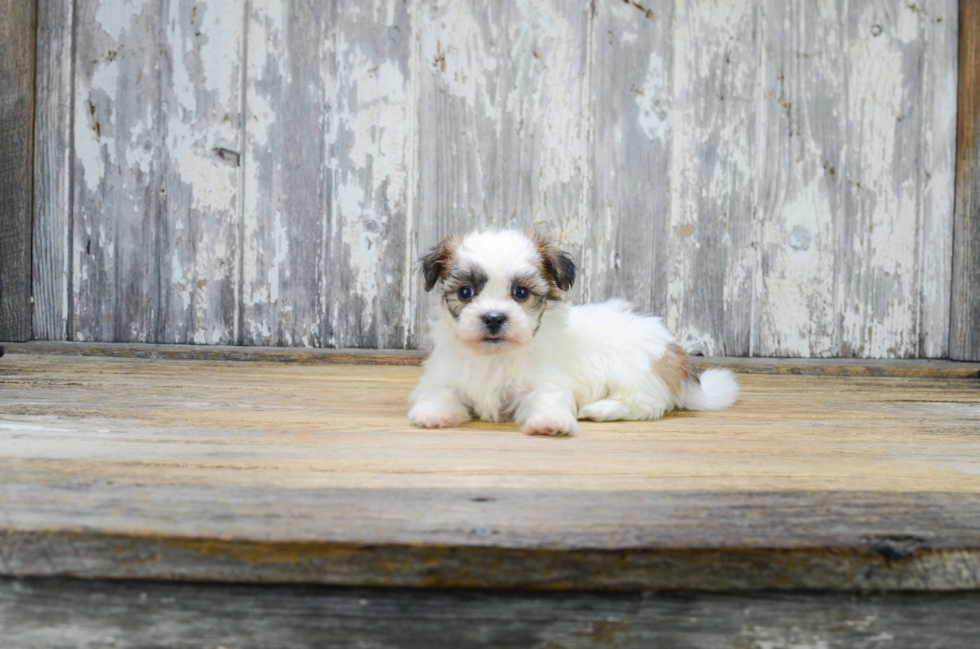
(717, 390)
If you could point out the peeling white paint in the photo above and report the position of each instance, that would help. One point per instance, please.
(710, 174)
(177, 277)
(95, 146)
(882, 323)
(502, 101)
(455, 45)
(939, 84)
(116, 16)
(796, 279)
(653, 99)
(266, 50)
(279, 252)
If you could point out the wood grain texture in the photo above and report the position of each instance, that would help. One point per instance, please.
(156, 175)
(936, 369)
(855, 240)
(965, 309)
(771, 178)
(51, 281)
(633, 122)
(879, 297)
(504, 119)
(126, 614)
(18, 25)
(310, 355)
(799, 193)
(329, 189)
(267, 472)
(939, 33)
(715, 77)
(287, 191)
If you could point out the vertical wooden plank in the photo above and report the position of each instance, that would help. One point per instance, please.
(626, 255)
(52, 170)
(199, 220)
(329, 189)
(938, 30)
(964, 334)
(715, 80)
(855, 200)
(18, 23)
(372, 166)
(878, 259)
(798, 199)
(505, 118)
(157, 149)
(115, 204)
(286, 191)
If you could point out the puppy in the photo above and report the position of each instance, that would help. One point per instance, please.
(508, 348)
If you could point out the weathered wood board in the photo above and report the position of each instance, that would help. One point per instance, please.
(52, 278)
(937, 160)
(773, 178)
(266, 472)
(965, 325)
(156, 171)
(18, 25)
(932, 369)
(628, 233)
(329, 174)
(64, 612)
(716, 98)
(505, 118)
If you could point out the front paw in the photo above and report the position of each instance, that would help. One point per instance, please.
(435, 415)
(556, 424)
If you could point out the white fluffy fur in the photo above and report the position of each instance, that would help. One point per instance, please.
(596, 361)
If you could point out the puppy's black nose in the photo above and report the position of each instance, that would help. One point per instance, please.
(494, 321)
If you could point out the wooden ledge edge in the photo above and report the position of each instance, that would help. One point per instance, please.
(862, 567)
(921, 368)
(221, 353)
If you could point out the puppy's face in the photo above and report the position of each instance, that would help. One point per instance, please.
(496, 286)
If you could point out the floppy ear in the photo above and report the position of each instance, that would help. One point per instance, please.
(436, 264)
(557, 265)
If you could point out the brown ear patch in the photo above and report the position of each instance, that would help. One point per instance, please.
(556, 265)
(438, 262)
(675, 368)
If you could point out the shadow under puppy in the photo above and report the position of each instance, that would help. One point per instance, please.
(507, 347)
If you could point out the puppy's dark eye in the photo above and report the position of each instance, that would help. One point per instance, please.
(465, 293)
(520, 293)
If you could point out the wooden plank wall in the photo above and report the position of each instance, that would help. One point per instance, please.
(964, 341)
(774, 178)
(17, 34)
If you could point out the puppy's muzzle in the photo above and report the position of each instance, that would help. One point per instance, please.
(493, 322)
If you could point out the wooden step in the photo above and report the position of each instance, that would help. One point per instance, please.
(198, 470)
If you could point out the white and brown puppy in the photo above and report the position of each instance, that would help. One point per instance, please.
(508, 348)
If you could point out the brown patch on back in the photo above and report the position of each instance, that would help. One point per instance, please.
(675, 368)
(437, 264)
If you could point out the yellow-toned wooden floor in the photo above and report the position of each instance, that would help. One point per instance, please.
(303, 453)
(271, 425)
